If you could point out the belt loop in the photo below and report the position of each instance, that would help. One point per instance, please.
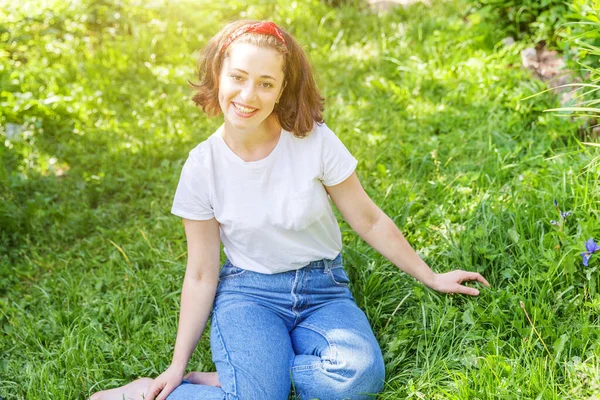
(327, 263)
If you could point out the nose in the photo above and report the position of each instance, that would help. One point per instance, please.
(248, 92)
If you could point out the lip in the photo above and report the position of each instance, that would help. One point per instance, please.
(242, 104)
(240, 114)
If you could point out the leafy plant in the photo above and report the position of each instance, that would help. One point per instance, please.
(532, 19)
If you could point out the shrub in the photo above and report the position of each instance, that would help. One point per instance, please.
(534, 19)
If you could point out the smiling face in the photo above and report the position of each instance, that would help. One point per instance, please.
(250, 84)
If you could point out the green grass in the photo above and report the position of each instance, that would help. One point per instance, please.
(91, 262)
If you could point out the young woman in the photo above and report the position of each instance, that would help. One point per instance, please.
(283, 314)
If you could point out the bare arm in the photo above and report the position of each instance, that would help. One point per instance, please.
(199, 286)
(197, 296)
(379, 231)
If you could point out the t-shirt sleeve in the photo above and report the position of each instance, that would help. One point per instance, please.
(338, 162)
(192, 197)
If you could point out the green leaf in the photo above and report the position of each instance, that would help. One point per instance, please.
(514, 236)
(559, 345)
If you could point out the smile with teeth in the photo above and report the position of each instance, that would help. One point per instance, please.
(243, 109)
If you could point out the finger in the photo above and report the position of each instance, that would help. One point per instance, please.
(474, 276)
(152, 391)
(481, 279)
(165, 392)
(148, 395)
(466, 290)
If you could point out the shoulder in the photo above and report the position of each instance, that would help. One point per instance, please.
(201, 156)
(325, 134)
(319, 135)
(320, 129)
(326, 137)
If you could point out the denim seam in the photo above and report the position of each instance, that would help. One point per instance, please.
(332, 348)
(216, 325)
(233, 276)
(294, 296)
(331, 277)
(230, 276)
(307, 367)
(327, 265)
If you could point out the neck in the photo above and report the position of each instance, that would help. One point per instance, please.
(253, 144)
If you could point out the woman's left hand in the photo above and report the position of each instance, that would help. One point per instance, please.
(450, 282)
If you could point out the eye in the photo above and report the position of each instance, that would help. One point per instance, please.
(235, 77)
(267, 85)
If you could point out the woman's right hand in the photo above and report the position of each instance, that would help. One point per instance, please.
(165, 383)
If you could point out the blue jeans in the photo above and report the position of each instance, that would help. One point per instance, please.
(300, 328)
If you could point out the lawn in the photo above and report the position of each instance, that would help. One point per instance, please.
(96, 120)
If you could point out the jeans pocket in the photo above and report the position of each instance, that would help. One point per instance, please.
(338, 276)
(230, 271)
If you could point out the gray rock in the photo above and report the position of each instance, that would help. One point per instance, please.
(529, 58)
(508, 41)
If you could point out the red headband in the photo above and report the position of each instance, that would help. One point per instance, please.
(264, 28)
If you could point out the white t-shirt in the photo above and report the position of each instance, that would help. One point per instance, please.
(274, 214)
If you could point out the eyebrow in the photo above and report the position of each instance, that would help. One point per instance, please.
(262, 76)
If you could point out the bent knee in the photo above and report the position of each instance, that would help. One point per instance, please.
(354, 378)
(356, 375)
(364, 375)
(375, 376)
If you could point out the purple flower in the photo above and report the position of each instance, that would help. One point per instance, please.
(554, 222)
(555, 203)
(591, 248)
(565, 214)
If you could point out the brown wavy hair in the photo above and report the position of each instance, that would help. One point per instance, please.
(301, 103)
